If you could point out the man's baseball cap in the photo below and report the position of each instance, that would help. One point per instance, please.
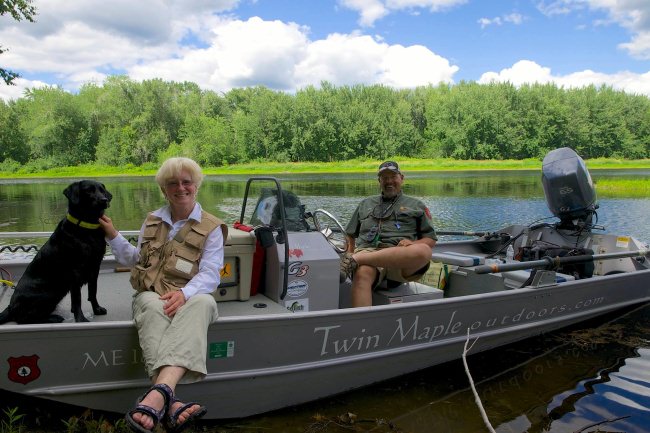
(389, 165)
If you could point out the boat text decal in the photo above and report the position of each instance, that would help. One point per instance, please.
(112, 358)
(337, 339)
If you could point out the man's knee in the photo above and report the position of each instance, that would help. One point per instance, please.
(423, 252)
(366, 273)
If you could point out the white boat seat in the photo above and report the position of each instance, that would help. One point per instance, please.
(458, 259)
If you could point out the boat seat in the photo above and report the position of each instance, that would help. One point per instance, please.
(458, 259)
(515, 279)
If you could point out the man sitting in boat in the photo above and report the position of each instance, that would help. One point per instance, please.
(390, 237)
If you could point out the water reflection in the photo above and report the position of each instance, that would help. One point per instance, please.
(458, 200)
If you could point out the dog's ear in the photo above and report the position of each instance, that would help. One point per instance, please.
(72, 193)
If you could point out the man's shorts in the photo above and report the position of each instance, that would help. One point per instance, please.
(394, 274)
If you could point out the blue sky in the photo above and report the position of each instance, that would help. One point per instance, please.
(287, 45)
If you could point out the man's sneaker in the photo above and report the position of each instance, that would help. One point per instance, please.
(348, 267)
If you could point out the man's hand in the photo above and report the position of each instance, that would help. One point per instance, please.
(405, 243)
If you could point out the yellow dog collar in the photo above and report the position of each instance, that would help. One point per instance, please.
(80, 223)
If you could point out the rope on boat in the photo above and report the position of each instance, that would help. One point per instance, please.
(15, 249)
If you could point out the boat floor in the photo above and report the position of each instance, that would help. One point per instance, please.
(115, 294)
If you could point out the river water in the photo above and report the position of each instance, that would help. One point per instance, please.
(595, 377)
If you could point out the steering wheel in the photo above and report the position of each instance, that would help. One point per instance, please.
(332, 229)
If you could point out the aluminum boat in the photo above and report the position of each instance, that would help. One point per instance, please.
(286, 333)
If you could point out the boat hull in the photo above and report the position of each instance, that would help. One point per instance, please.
(258, 363)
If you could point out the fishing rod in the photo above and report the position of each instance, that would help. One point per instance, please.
(453, 233)
(550, 263)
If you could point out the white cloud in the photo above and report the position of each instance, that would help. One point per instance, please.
(80, 41)
(87, 39)
(369, 10)
(280, 56)
(373, 10)
(633, 15)
(241, 53)
(17, 90)
(513, 18)
(353, 59)
(529, 72)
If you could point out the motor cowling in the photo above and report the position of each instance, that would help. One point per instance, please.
(568, 188)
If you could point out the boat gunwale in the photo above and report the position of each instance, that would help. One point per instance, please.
(365, 311)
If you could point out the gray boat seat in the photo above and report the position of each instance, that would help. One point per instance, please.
(515, 279)
(458, 259)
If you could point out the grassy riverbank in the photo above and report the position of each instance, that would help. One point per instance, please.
(352, 166)
(604, 187)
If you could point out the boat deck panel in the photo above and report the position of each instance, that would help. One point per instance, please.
(115, 293)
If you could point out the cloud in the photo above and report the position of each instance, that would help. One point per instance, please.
(353, 59)
(373, 10)
(78, 41)
(281, 56)
(529, 72)
(513, 18)
(633, 15)
(18, 89)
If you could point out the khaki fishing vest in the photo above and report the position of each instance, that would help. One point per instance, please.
(167, 265)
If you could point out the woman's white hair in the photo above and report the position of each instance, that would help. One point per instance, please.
(173, 167)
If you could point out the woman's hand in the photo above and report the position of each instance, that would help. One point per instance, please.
(107, 226)
(173, 301)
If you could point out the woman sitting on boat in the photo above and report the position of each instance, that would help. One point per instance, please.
(175, 269)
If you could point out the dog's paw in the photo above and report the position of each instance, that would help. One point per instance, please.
(99, 311)
(55, 318)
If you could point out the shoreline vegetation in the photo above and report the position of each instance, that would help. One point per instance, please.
(604, 187)
(351, 166)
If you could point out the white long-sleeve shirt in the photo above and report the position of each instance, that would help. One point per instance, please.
(207, 279)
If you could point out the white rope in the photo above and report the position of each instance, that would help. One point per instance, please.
(477, 399)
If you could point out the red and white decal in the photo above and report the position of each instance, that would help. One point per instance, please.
(23, 369)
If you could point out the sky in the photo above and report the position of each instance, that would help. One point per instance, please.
(287, 45)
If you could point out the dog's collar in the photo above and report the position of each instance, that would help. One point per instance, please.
(80, 223)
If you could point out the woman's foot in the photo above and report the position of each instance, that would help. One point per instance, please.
(182, 414)
(150, 409)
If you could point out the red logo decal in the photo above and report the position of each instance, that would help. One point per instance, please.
(295, 252)
(426, 211)
(23, 369)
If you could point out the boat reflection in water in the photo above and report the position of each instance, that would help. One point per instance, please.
(560, 383)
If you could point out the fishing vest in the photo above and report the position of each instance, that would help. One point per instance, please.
(168, 265)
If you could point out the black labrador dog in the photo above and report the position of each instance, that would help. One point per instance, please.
(69, 259)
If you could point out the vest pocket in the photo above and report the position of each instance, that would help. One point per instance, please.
(139, 279)
(181, 264)
(196, 237)
(169, 286)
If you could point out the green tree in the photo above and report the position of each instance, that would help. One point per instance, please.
(19, 10)
(208, 140)
(58, 128)
(12, 136)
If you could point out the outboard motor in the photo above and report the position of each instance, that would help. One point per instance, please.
(568, 188)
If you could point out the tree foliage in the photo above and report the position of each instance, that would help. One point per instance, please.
(19, 10)
(125, 122)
